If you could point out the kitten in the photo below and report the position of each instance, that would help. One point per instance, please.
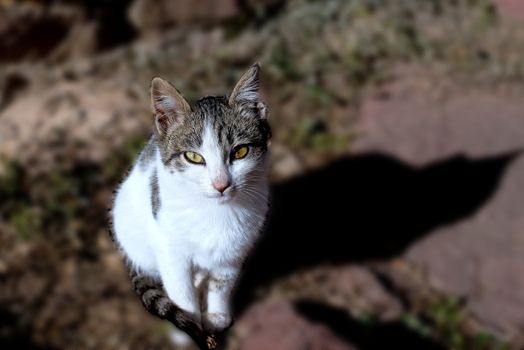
(196, 199)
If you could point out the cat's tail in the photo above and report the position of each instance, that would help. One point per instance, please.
(156, 302)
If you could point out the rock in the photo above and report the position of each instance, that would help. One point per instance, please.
(276, 325)
(510, 8)
(421, 123)
(73, 122)
(479, 257)
(494, 299)
(29, 32)
(56, 31)
(156, 15)
(12, 83)
(351, 288)
(81, 41)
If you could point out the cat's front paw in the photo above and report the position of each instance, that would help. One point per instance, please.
(216, 322)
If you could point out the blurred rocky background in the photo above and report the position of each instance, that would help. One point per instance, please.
(397, 168)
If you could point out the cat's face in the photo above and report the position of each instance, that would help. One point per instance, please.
(219, 146)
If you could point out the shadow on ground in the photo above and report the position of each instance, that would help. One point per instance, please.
(364, 208)
(365, 336)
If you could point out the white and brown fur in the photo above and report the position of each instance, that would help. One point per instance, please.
(173, 219)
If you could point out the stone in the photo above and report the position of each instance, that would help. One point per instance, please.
(513, 9)
(477, 258)
(276, 325)
(146, 15)
(81, 119)
(348, 287)
(56, 31)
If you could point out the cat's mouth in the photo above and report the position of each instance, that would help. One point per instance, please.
(222, 197)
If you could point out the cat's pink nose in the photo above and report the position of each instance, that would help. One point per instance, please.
(220, 185)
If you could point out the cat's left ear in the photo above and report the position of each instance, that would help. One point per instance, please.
(247, 91)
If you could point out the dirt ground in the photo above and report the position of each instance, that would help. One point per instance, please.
(397, 170)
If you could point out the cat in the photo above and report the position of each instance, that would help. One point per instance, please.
(196, 199)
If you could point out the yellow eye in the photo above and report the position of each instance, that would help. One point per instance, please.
(241, 152)
(194, 157)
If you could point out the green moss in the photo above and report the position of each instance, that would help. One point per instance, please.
(367, 319)
(313, 134)
(361, 38)
(283, 61)
(415, 323)
(27, 223)
(59, 206)
(444, 320)
(320, 95)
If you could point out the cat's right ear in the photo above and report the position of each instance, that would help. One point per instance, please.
(168, 105)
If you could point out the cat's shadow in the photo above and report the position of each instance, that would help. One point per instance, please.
(362, 208)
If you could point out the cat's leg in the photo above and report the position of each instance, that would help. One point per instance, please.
(154, 299)
(218, 314)
(177, 278)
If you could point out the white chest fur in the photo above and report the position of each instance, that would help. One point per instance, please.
(210, 233)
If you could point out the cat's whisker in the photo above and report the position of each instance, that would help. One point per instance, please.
(255, 194)
(254, 180)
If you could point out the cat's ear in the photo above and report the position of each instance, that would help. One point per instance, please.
(169, 106)
(247, 90)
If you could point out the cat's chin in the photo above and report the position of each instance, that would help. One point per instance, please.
(221, 198)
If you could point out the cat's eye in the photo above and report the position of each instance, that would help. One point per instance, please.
(240, 152)
(193, 157)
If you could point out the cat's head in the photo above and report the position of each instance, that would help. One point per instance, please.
(218, 145)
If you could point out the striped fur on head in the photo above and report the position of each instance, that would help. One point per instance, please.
(239, 119)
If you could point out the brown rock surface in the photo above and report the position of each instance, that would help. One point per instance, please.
(80, 119)
(156, 15)
(276, 325)
(351, 288)
(29, 32)
(55, 31)
(62, 302)
(511, 8)
(478, 258)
